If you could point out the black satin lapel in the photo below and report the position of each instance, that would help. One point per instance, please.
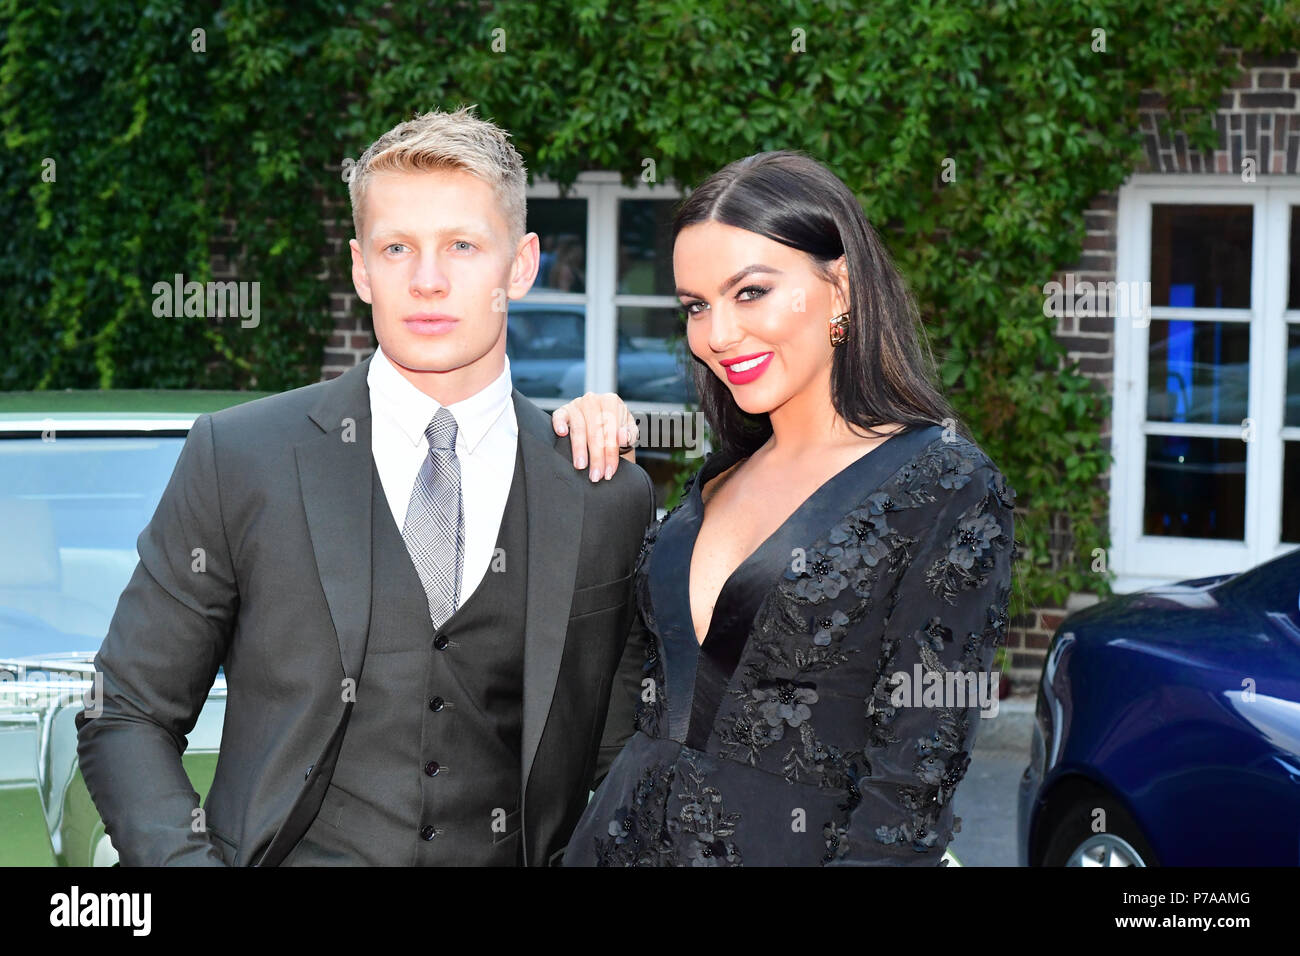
(553, 504)
(334, 475)
(670, 570)
(742, 595)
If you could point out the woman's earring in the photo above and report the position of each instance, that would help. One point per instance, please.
(839, 329)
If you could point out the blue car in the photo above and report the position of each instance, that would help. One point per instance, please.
(1168, 728)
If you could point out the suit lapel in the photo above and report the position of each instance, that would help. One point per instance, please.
(334, 473)
(553, 498)
(335, 476)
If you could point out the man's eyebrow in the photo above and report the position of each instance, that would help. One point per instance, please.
(473, 232)
(464, 230)
(722, 289)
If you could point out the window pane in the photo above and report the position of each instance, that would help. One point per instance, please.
(1293, 287)
(1198, 371)
(561, 227)
(1195, 487)
(546, 345)
(1291, 492)
(653, 357)
(1291, 415)
(645, 251)
(1200, 256)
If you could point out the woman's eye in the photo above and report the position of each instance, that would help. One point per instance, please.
(759, 291)
(689, 308)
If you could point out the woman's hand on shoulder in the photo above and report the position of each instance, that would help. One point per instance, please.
(600, 427)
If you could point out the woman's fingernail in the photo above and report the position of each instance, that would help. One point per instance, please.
(609, 472)
(595, 474)
(582, 461)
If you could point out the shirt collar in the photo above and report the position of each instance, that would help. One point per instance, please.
(412, 410)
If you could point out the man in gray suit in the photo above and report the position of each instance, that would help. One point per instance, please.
(422, 609)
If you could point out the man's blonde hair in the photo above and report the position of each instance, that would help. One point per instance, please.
(439, 140)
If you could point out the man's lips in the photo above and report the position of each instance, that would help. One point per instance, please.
(430, 323)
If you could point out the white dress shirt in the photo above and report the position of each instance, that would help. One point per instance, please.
(487, 436)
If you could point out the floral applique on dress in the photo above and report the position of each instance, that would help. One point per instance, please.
(785, 738)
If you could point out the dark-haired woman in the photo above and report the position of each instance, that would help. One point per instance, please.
(821, 610)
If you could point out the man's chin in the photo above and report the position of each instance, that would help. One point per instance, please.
(420, 357)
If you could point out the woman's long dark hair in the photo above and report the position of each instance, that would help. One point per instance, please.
(884, 372)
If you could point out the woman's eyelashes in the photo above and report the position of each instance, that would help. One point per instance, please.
(758, 290)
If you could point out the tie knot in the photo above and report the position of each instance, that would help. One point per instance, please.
(442, 431)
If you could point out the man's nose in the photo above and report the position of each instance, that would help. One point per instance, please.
(429, 277)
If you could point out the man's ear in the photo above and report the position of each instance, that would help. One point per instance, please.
(360, 278)
(523, 273)
(840, 298)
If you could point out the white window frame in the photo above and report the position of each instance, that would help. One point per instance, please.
(603, 190)
(1140, 560)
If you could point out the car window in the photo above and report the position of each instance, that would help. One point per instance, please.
(70, 512)
(535, 334)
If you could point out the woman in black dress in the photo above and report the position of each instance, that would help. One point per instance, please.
(820, 611)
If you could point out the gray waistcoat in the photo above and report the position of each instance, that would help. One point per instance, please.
(428, 773)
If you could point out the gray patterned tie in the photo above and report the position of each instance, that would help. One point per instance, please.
(434, 530)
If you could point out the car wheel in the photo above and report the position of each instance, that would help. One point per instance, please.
(1074, 842)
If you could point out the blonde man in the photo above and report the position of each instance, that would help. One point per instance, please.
(422, 609)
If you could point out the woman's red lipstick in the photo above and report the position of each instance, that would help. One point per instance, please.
(752, 366)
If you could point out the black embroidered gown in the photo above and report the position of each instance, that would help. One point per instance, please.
(789, 737)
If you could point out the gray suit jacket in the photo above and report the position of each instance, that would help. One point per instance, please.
(276, 493)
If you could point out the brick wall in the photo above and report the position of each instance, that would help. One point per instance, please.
(1257, 118)
(353, 337)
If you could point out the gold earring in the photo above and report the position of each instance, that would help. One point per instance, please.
(839, 329)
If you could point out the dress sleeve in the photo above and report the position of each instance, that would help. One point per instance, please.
(946, 613)
(626, 687)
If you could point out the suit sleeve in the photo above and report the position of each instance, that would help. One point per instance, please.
(625, 691)
(167, 638)
(949, 616)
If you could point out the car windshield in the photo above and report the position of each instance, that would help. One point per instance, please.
(70, 512)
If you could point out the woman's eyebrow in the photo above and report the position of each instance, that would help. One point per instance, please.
(722, 289)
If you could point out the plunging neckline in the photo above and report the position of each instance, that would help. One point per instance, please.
(696, 673)
(697, 496)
